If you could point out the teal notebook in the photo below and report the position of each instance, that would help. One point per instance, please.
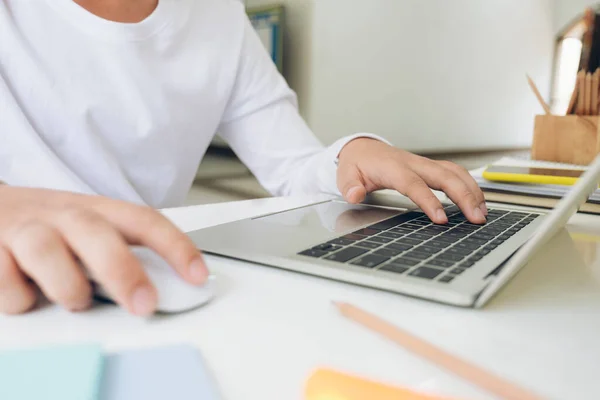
(55, 373)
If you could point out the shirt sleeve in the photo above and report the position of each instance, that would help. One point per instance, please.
(264, 128)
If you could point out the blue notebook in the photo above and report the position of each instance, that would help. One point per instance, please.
(54, 373)
(174, 372)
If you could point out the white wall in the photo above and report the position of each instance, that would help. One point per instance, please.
(429, 75)
(566, 10)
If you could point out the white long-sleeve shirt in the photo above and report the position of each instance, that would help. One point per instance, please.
(128, 110)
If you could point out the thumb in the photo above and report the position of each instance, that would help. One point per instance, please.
(351, 185)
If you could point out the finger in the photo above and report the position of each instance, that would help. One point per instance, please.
(146, 227)
(43, 255)
(443, 179)
(17, 295)
(466, 177)
(350, 184)
(410, 184)
(109, 260)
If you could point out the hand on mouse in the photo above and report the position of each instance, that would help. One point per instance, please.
(366, 165)
(44, 232)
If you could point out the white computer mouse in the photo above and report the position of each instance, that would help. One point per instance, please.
(174, 293)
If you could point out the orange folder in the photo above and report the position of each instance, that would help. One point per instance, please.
(326, 384)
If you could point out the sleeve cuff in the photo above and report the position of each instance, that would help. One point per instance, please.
(328, 171)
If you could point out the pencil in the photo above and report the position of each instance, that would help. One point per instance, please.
(464, 369)
(588, 94)
(574, 97)
(581, 97)
(538, 95)
(595, 88)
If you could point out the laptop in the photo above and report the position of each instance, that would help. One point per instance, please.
(399, 250)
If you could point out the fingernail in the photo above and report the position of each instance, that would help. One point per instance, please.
(198, 271)
(352, 192)
(143, 302)
(82, 305)
(441, 216)
(478, 214)
(483, 209)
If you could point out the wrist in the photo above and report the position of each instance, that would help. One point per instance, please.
(354, 146)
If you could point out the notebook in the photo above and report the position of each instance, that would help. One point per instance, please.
(173, 372)
(544, 196)
(52, 373)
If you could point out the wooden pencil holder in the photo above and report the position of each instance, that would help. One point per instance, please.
(571, 139)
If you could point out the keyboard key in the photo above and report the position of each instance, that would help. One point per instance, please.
(476, 257)
(451, 209)
(395, 221)
(438, 244)
(420, 222)
(417, 255)
(467, 264)
(341, 242)
(441, 263)
(326, 247)
(428, 249)
(346, 254)
(411, 227)
(467, 245)
(457, 271)
(387, 252)
(445, 239)
(366, 232)
(370, 261)
(313, 253)
(483, 236)
(407, 262)
(479, 242)
(435, 229)
(399, 246)
(368, 245)
(390, 234)
(408, 241)
(400, 230)
(418, 236)
(426, 272)
(380, 239)
(353, 237)
(446, 279)
(459, 251)
(520, 215)
(455, 234)
(399, 269)
(451, 257)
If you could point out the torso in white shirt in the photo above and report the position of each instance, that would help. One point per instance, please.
(128, 110)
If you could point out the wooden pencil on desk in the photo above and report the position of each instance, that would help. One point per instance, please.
(470, 372)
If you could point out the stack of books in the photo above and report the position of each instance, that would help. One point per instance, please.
(543, 196)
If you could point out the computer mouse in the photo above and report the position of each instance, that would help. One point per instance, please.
(175, 295)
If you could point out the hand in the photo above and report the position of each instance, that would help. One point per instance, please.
(366, 165)
(44, 232)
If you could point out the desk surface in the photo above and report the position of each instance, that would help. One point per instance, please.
(268, 329)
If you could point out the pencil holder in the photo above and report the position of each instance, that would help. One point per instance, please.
(571, 139)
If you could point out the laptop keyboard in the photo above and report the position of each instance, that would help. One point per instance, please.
(411, 244)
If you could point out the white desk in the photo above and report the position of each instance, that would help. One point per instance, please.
(269, 329)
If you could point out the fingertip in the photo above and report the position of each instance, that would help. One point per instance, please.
(484, 209)
(356, 195)
(144, 301)
(478, 216)
(441, 217)
(198, 271)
